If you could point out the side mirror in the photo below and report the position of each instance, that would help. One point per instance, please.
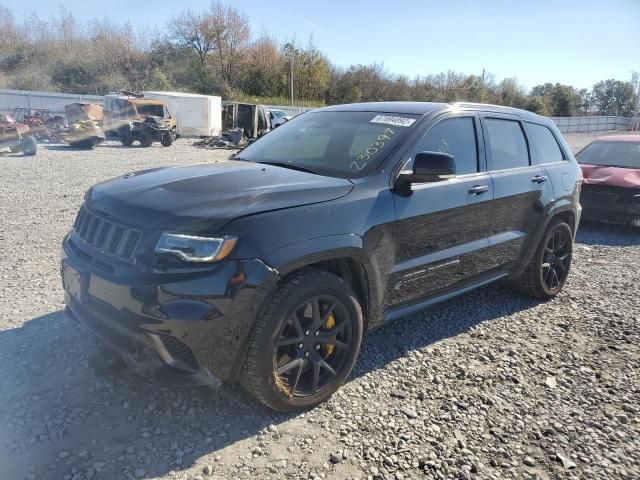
(429, 167)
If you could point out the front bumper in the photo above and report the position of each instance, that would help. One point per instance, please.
(187, 328)
(623, 214)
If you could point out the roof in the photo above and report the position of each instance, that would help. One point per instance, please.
(618, 138)
(421, 108)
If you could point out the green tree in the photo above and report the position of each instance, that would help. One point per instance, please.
(536, 104)
(613, 97)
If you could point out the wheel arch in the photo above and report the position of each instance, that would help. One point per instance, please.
(565, 211)
(341, 255)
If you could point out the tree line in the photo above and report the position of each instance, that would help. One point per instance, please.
(214, 51)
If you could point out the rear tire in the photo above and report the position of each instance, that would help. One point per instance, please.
(145, 139)
(126, 138)
(547, 272)
(306, 342)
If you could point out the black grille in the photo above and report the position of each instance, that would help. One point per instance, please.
(180, 352)
(105, 235)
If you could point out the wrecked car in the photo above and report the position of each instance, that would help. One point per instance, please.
(611, 179)
(84, 125)
(267, 269)
(14, 136)
(123, 109)
(253, 120)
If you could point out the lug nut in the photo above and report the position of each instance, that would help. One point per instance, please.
(317, 347)
(306, 354)
(300, 345)
(317, 333)
(306, 333)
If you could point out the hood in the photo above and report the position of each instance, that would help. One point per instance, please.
(209, 195)
(612, 176)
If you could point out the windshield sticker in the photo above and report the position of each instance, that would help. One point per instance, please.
(393, 120)
(375, 147)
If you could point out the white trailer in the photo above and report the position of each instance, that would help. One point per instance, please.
(195, 115)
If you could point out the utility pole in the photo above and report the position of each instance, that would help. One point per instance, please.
(482, 92)
(291, 77)
(635, 78)
(290, 48)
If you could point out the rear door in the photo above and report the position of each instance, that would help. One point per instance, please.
(521, 189)
(441, 228)
(552, 158)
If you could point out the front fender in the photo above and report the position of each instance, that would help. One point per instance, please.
(287, 259)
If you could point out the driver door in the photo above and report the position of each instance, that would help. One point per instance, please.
(441, 228)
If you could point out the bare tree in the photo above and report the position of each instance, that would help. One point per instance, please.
(231, 35)
(194, 30)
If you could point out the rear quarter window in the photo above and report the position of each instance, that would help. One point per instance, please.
(508, 146)
(544, 143)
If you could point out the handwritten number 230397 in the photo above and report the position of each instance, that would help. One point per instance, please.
(375, 147)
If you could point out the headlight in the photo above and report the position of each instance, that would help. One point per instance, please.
(196, 249)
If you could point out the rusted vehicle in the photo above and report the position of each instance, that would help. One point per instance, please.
(43, 126)
(14, 136)
(84, 125)
(611, 179)
(254, 120)
(122, 110)
(151, 129)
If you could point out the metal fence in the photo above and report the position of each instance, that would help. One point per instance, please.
(55, 102)
(591, 124)
(289, 109)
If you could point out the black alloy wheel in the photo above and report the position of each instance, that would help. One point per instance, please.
(313, 345)
(548, 270)
(556, 260)
(306, 341)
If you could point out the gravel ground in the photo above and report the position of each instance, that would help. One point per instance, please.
(490, 385)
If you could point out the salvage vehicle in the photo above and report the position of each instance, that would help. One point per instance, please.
(611, 179)
(84, 134)
(267, 269)
(122, 109)
(254, 120)
(84, 125)
(14, 136)
(43, 126)
(278, 117)
(151, 129)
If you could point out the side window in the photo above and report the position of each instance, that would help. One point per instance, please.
(544, 144)
(508, 145)
(457, 137)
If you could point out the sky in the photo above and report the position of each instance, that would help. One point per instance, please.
(576, 42)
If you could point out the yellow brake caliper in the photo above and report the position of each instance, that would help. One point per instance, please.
(329, 323)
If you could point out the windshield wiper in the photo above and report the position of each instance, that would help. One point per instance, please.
(290, 166)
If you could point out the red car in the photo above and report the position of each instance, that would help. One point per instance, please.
(611, 179)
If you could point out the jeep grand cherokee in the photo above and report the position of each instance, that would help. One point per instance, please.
(267, 269)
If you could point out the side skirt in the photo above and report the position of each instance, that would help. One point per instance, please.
(403, 310)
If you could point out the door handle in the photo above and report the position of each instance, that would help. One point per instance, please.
(539, 179)
(478, 189)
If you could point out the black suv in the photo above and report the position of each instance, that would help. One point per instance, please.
(267, 269)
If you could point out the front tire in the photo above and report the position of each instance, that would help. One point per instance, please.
(548, 270)
(306, 342)
(28, 145)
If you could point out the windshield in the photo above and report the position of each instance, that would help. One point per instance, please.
(279, 113)
(611, 154)
(338, 144)
(146, 110)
